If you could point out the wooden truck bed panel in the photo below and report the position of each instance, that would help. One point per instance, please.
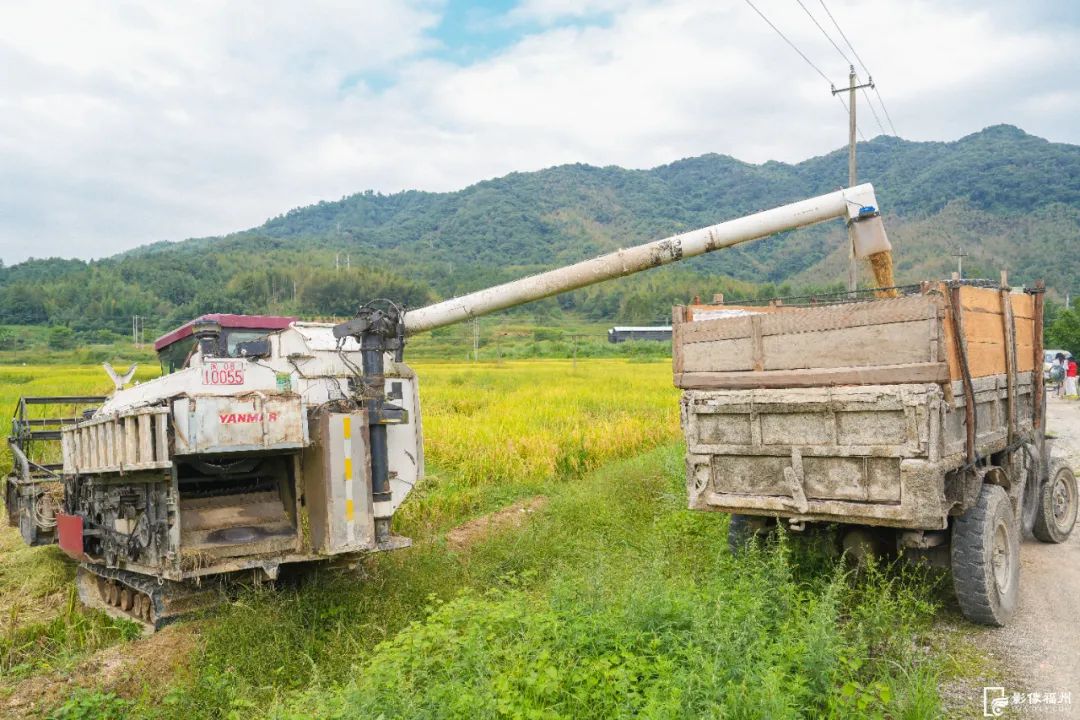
(899, 340)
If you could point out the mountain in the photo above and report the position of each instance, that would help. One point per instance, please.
(1010, 200)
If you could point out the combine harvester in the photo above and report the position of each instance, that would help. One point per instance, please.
(270, 441)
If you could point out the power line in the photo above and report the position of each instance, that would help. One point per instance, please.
(847, 61)
(827, 35)
(802, 55)
(808, 62)
(861, 64)
(887, 117)
(873, 111)
(846, 41)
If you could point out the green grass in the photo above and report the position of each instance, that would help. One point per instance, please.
(613, 600)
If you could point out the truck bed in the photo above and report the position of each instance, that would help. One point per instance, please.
(850, 413)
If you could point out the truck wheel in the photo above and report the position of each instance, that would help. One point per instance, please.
(1056, 506)
(985, 558)
(742, 529)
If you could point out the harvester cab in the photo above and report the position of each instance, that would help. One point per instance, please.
(216, 335)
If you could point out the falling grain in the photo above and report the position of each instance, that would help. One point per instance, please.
(881, 263)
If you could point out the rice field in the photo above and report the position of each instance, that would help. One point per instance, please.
(611, 600)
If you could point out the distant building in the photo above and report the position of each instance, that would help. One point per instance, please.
(644, 332)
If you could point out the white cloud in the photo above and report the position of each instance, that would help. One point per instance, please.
(130, 123)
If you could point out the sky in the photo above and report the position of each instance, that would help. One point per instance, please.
(125, 123)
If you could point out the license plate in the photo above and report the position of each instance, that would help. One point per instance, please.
(216, 372)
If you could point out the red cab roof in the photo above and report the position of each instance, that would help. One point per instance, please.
(226, 321)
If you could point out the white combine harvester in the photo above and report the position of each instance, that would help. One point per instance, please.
(270, 441)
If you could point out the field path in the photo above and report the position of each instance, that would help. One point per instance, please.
(1040, 648)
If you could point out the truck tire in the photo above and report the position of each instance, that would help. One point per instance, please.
(743, 529)
(1056, 505)
(985, 558)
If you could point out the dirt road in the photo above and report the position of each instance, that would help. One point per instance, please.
(1040, 648)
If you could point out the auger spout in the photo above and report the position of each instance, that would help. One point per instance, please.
(857, 205)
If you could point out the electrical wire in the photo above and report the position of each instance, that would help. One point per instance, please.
(861, 64)
(785, 38)
(846, 41)
(804, 57)
(827, 35)
(846, 60)
(873, 111)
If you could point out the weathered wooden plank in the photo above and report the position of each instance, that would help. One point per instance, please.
(95, 443)
(704, 313)
(146, 447)
(735, 354)
(757, 343)
(831, 317)
(1025, 357)
(983, 327)
(678, 322)
(956, 314)
(161, 438)
(1025, 331)
(986, 359)
(866, 345)
(84, 450)
(67, 448)
(1010, 358)
(975, 299)
(1037, 354)
(131, 442)
(988, 327)
(870, 375)
(1023, 305)
(719, 329)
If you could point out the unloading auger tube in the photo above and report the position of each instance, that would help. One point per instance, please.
(382, 327)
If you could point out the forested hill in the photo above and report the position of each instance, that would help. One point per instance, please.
(1009, 199)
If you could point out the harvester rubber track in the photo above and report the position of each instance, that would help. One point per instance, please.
(148, 601)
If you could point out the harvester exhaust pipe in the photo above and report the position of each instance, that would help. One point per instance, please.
(857, 205)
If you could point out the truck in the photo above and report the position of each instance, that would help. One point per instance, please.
(915, 424)
(270, 442)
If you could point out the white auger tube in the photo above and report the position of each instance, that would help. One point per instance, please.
(857, 205)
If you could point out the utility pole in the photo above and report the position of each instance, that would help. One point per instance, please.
(960, 255)
(575, 337)
(476, 339)
(853, 273)
(137, 323)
